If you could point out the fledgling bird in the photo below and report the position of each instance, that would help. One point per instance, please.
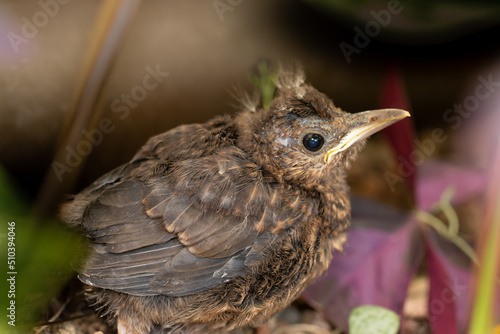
(214, 226)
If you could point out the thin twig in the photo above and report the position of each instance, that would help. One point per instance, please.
(48, 323)
(110, 26)
(301, 328)
(54, 317)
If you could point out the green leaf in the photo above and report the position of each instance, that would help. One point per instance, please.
(369, 319)
(264, 81)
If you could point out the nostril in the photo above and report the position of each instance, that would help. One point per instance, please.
(374, 119)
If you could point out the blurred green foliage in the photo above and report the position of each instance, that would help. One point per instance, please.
(45, 252)
(264, 81)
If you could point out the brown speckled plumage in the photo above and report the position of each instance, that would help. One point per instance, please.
(214, 226)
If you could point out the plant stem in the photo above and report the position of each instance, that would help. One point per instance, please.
(449, 232)
(486, 275)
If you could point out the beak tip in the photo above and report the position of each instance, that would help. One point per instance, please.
(397, 113)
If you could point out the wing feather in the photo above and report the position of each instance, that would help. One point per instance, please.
(205, 222)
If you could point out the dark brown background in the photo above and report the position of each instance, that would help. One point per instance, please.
(206, 57)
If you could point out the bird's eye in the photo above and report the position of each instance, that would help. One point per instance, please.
(313, 142)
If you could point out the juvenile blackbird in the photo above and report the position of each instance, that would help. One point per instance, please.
(219, 225)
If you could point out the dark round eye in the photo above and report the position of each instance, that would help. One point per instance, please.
(313, 142)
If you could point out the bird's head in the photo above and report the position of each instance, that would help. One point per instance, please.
(303, 137)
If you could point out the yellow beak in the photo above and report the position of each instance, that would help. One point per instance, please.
(363, 125)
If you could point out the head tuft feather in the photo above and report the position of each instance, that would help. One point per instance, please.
(290, 78)
(246, 101)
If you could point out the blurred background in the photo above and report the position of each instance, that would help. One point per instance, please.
(209, 47)
(178, 62)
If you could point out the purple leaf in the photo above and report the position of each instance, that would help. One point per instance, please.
(383, 251)
(451, 289)
(401, 134)
(435, 176)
